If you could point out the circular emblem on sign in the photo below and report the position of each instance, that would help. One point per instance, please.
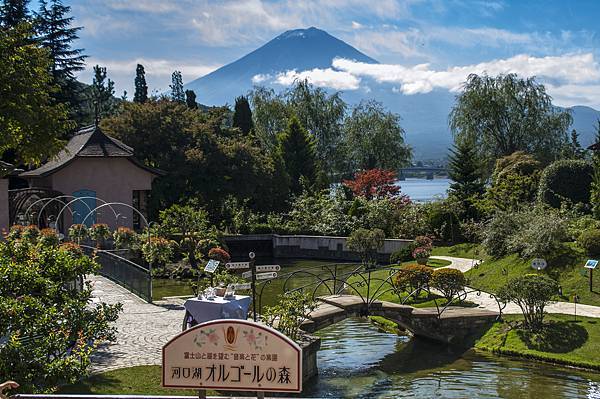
(230, 336)
(539, 264)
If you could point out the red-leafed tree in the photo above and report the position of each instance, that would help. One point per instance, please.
(374, 183)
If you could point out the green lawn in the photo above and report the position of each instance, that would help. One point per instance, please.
(563, 341)
(465, 250)
(567, 269)
(139, 380)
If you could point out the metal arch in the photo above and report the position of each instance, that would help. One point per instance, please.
(110, 204)
(48, 203)
(82, 198)
(44, 199)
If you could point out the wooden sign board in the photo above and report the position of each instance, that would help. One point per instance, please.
(242, 286)
(211, 266)
(591, 264)
(247, 274)
(237, 265)
(264, 276)
(232, 355)
(268, 268)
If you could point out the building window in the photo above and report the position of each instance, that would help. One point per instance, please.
(139, 202)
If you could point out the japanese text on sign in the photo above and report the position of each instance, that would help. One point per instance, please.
(232, 355)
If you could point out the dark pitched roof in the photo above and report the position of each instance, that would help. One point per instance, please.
(87, 142)
(594, 147)
(8, 169)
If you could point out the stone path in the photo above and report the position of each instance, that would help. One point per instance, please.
(485, 301)
(143, 328)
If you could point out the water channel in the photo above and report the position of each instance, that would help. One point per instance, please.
(359, 361)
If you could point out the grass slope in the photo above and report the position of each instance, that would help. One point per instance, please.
(564, 341)
(567, 268)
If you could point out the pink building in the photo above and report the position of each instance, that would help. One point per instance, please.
(94, 169)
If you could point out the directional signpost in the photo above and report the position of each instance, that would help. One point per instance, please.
(265, 276)
(591, 264)
(268, 268)
(237, 265)
(247, 274)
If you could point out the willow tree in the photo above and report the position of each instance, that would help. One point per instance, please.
(504, 114)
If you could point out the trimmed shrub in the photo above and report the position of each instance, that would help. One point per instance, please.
(30, 233)
(99, 231)
(124, 237)
(404, 254)
(219, 254)
(413, 278)
(566, 180)
(48, 237)
(531, 292)
(449, 281)
(589, 240)
(78, 232)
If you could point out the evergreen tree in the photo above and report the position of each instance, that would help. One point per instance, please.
(573, 149)
(177, 93)
(13, 13)
(141, 88)
(102, 90)
(242, 115)
(595, 187)
(57, 35)
(464, 170)
(190, 99)
(297, 149)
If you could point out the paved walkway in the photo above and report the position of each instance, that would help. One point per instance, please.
(143, 328)
(485, 301)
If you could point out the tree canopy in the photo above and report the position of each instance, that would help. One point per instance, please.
(31, 122)
(504, 114)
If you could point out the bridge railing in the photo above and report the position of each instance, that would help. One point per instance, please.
(124, 272)
(368, 283)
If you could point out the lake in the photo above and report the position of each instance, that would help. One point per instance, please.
(423, 190)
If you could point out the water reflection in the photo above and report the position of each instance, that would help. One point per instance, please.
(358, 361)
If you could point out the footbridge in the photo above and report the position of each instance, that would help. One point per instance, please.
(350, 290)
(454, 325)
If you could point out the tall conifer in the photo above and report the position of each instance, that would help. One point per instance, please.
(141, 88)
(177, 93)
(242, 115)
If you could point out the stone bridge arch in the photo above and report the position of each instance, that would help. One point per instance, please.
(452, 326)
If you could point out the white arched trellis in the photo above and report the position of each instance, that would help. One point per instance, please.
(50, 200)
(110, 204)
(92, 210)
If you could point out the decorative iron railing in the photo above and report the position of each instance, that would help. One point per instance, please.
(124, 272)
(370, 283)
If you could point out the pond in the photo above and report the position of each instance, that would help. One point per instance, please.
(359, 361)
(166, 287)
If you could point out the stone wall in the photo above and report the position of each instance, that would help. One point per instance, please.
(304, 246)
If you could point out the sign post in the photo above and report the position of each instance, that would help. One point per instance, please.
(210, 268)
(591, 264)
(252, 255)
(232, 355)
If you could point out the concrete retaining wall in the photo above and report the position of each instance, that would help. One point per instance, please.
(304, 246)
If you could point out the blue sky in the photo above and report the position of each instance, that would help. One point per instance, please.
(560, 38)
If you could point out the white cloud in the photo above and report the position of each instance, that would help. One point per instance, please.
(337, 80)
(260, 78)
(573, 68)
(571, 78)
(356, 25)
